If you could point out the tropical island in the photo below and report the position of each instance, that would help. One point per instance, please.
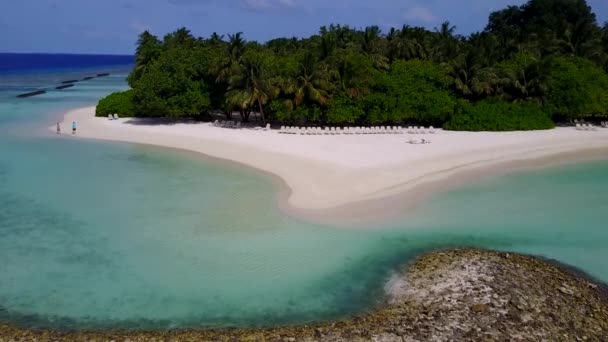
(495, 98)
(531, 67)
(502, 99)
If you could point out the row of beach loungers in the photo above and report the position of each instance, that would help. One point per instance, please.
(227, 124)
(589, 127)
(354, 130)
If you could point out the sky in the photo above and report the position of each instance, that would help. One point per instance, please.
(112, 26)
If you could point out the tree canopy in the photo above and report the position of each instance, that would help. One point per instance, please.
(545, 60)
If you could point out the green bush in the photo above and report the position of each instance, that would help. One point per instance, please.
(120, 103)
(498, 116)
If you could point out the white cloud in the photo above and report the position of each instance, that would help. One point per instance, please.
(421, 14)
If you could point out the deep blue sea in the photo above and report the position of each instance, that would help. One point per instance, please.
(18, 63)
(97, 234)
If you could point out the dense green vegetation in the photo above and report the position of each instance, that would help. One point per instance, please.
(533, 65)
(116, 103)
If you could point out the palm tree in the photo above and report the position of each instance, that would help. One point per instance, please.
(312, 82)
(524, 79)
(251, 85)
(236, 46)
(371, 43)
(446, 44)
(470, 78)
(148, 49)
(215, 39)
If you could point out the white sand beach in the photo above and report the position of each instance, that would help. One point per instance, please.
(333, 175)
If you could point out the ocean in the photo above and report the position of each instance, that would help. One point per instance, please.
(113, 235)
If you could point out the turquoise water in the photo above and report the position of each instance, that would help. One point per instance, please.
(115, 235)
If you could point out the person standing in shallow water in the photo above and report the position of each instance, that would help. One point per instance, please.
(73, 127)
(58, 128)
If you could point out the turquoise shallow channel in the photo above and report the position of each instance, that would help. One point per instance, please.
(108, 235)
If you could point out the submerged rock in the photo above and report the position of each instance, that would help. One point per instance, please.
(454, 295)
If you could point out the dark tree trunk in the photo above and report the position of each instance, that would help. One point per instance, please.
(228, 114)
(245, 115)
(261, 110)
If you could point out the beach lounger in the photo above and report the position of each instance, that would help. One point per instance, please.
(432, 130)
(578, 127)
(110, 117)
(267, 128)
(115, 116)
(238, 125)
(422, 130)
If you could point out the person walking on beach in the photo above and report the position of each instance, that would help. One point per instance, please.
(73, 127)
(58, 128)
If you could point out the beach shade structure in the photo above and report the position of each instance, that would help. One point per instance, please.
(115, 116)
(422, 130)
(432, 130)
(110, 117)
(578, 127)
(267, 127)
(410, 130)
(282, 130)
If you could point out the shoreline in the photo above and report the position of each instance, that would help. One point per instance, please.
(354, 180)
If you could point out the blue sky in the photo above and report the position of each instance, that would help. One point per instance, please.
(111, 26)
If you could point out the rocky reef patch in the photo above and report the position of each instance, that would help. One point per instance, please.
(450, 295)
